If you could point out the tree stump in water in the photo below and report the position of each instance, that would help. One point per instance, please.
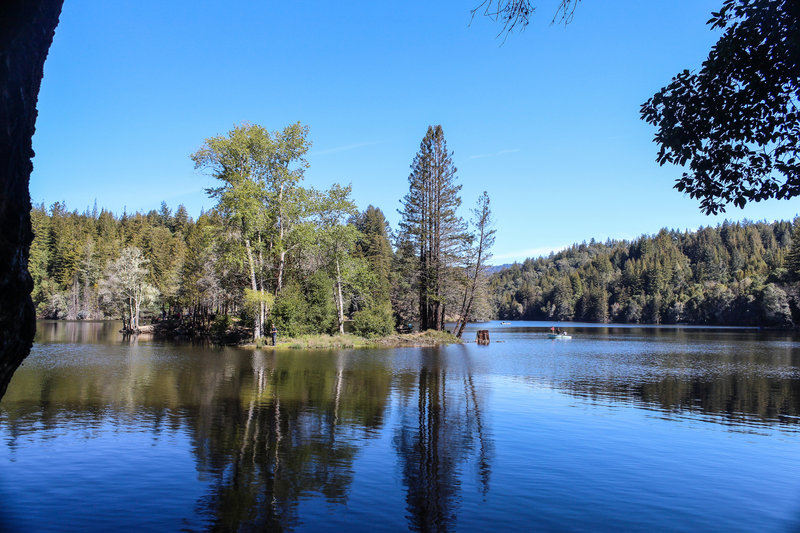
(483, 336)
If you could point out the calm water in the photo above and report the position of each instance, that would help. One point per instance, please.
(623, 428)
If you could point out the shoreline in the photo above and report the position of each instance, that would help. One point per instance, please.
(241, 337)
(428, 338)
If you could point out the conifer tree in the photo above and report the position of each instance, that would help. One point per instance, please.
(793, 257)
(373, 245)
(429, 218)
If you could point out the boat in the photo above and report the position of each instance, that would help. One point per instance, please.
(562, 336)
(505, 323)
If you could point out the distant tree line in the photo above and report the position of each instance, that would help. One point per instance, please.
(733, 274)
(271, 252)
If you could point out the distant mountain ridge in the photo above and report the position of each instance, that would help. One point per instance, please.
(491, 269)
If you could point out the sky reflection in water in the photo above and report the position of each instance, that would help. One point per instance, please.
(635, 428)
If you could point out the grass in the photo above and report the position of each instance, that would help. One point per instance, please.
(425, 338)
(347, 340)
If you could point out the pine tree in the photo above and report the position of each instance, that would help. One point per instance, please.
(793, 257)
(429, 218)
(373, 245)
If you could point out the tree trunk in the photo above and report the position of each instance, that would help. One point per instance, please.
(467, 309)
(340, 304)
(258, 327)
(262, 311)
(281, 263)
(26, 32)
(282, 253)
(469, 294)
(137, 306)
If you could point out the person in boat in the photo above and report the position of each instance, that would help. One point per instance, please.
(564, 332)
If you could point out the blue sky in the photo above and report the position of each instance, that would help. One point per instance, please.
(547, 120)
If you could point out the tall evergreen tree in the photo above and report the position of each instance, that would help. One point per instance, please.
(793, 257)
(373, 244)
(429, 217)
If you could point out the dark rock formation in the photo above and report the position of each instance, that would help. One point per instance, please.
(26, 32)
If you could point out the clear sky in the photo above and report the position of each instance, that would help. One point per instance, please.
(547, 120)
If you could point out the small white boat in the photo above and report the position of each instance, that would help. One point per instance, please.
(505, 323)
(562, 336)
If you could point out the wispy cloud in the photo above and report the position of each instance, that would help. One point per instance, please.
(495, 154)
(345, 148)
(521, 255)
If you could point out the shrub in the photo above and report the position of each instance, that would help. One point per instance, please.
(220, 325)
(321, 314)
(373, 322)
(290, 313)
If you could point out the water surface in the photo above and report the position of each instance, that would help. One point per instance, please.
(619, 428)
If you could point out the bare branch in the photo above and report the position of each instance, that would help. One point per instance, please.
(517, 13)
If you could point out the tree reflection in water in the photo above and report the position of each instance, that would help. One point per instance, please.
(271, 430)
(291, 431)
(441, 432)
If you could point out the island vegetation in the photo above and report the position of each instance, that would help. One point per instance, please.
(272, 252)
(307, 261)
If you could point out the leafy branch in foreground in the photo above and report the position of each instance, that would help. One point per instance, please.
(735, 123)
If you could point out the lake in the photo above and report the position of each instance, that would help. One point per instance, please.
(619, 428)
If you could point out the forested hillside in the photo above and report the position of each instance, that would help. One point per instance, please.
(733, 274)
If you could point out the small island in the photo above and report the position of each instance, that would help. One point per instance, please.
(237, 335)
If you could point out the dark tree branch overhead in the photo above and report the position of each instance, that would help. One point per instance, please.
(517, 13)
(734, 123)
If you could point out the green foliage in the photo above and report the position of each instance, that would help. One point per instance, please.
(253, 299)
(321, 312)
(259, 199)
(300, 311)
(373, 322)
(431, 223)
(374, 246)
(290, 312)
(71, 250)
(731, 274)
(733, 122)
(220, 325)
(793, 256)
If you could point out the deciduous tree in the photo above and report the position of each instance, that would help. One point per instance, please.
(478, 256)
(259, 195)
(125, 286)
(735, 123)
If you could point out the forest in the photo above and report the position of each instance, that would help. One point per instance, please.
(272, 252)
(733, 274)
